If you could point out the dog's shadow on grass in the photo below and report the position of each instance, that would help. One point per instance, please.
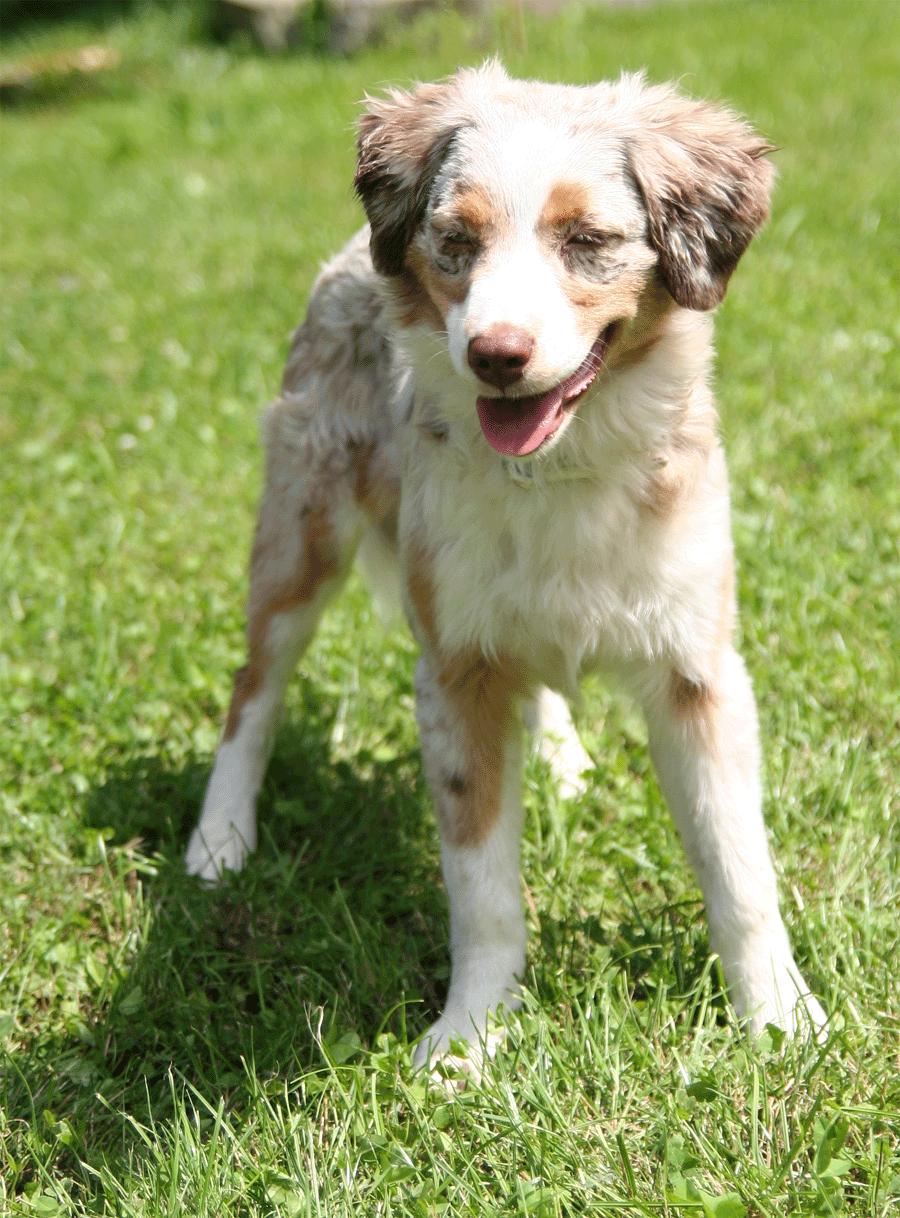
(339, 914)
(338, 924)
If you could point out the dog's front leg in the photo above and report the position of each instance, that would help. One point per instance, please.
(305, 540)
(471, 728)
(226, 831)
(704, 742)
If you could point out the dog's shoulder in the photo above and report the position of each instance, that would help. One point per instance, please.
(346, 330)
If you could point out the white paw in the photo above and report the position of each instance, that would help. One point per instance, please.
(549, 721)
(454, 1057)
(568, 763)
(216, 848)
(784, 1000)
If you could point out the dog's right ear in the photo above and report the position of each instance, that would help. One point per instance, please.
(403, 140)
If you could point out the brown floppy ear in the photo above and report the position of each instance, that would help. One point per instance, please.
(706, 183)
(403, 140)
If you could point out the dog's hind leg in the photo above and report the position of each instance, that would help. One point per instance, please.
(548, 721)
(309, 526)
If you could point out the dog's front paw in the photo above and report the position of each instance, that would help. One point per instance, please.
(454, 1056)
(215, 848)
(792, 1008)
(776, 993)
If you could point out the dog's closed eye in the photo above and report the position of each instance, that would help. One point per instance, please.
(590, 240)
(457, 237)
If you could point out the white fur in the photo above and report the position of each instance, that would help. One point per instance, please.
(715, 801)
(549, 722)
(226, 831)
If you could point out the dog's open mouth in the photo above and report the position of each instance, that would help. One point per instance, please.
(518, 426)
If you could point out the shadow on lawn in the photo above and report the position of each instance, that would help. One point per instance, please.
(338, 924)
(331, 911)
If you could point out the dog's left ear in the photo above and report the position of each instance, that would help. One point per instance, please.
(706, 183)
(403, 140)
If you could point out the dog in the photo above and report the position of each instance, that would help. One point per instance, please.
(501, 392)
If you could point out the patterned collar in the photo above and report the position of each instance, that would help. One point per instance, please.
(530, 473)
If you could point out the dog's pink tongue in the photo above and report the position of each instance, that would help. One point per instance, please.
(516, 426)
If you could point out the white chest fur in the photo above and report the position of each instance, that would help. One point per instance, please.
(568, 573)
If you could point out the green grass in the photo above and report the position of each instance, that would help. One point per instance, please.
(170, 1050)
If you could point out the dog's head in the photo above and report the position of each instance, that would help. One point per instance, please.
(544, 228)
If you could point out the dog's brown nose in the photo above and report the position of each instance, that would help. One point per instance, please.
(499, 356)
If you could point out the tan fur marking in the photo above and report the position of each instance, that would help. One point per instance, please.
(631, 356)
(473, 206)
(596, 305)
(376, 492)
(420, 586)
(688, 697)
(634, 342)
(318, 564)
(414, 307)
(443, 291)
(695, 702)
(567, 202)
(247, 682)
(696, 706)
(484, 695)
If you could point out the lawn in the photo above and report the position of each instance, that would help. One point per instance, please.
(167, 1049)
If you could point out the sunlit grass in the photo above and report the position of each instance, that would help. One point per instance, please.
(244, 1051)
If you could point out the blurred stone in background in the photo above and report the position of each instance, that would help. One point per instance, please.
(335, 26)
(274, 24)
